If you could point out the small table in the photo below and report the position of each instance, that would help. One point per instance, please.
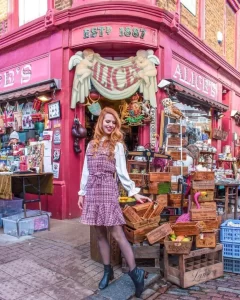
(33, 183)
(228, 187)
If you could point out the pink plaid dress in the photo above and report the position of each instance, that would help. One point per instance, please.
(101, 206)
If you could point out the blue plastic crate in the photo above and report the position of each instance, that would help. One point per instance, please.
(231, 250)
(228, 233)
(11, 207)
(231, 265)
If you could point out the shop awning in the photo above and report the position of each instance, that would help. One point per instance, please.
(31, 90)
(190, 97)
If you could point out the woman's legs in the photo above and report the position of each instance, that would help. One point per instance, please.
(119, 236)
(103, 244)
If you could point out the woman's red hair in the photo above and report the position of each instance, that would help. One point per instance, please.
(111, 140)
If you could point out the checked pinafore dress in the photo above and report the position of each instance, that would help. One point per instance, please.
(101, 206)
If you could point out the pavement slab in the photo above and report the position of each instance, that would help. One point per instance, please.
(36, 296)
(66, 290)
(13, 289)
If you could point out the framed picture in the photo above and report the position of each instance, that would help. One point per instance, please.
(54, 110)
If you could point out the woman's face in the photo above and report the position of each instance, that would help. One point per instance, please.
(109, 124)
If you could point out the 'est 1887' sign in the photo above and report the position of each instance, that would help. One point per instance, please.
(114, 32)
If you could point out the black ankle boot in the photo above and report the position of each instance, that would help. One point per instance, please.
(107, 276)
(138, 276)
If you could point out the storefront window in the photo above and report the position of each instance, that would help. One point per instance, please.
(30, 10)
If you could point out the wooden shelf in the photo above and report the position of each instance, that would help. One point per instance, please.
(207, 152)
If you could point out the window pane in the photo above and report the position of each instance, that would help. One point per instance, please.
(31, 9)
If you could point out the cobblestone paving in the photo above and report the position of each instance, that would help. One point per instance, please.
(44, 270)
(226, 287)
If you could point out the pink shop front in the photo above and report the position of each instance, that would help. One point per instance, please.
(183, 69)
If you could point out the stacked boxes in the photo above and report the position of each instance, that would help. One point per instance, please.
(230, 239)
(19, 225)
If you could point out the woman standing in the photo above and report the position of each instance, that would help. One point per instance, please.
(100, 208)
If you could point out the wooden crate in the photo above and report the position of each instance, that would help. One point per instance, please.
(174, 187)
(209, 225)
(176, 155)
(139, 179)
(159, 233)
(144, 222)
(162, 199)
(202, 214)
(147, 257)
(140, 209)
(175, 141)
(115, 252)
(176, 170)
(160, 177)
(138, 235)
(208, 205)
(206, 175)
(186, 228)
(173, 247)
(206, 240)
(130, 214)
(175, 128)
(198, 266)
(175, 197)
(203, 185)
(149, 211)
(157, 188)
(208, 197)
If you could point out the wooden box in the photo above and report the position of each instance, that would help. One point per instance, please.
(140, 209)
(175, 197)
(186, 228)
(203, 185)
(208, 205)
(176, 170)
(138, 235)
(159, 233)
(206, 240)
(115, 252)
(130, 214)
(198, 266)
(209, 225)
(175, 128)
(156, 188)
(175, 141)
(146, 257)
(202, 214)
(176, 155)
(144, 222)
(208, 197)
(174, 187)
(173, 247)
(139, 179)
(160, 177)
(162, 199)
(207, 175)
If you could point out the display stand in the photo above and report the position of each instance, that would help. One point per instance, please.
(180, 181)
(205, 155)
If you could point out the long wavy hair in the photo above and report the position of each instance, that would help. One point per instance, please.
(111, 140)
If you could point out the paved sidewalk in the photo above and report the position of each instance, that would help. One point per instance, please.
(46, 267)
(226, 287)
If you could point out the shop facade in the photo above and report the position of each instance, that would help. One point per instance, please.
(115, 31)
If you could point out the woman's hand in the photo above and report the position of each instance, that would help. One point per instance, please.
(80, 202)
(142, 199)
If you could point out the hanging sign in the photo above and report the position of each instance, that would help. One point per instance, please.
(56, 167)
(57, 136)
(114, 80)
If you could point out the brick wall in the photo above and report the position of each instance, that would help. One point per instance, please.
(189, 20)
(214, 12)
(230, 35)
(3, 16)
(169, 5)
(62, 4)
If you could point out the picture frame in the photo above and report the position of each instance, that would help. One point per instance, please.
(54, 110)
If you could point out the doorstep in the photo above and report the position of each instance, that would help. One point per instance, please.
(122, 288)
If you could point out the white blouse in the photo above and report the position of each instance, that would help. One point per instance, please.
(121, 170)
